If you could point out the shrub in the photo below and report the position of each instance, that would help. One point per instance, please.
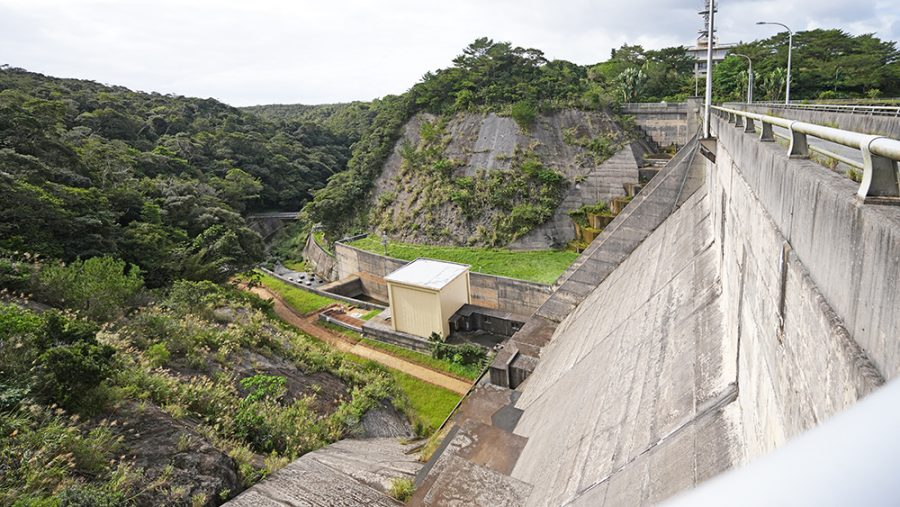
(99, 287)
(68, 372)
(465, 354)
(158, 355)
(524, 113)
(401, 489)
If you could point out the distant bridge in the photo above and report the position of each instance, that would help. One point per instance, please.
(280, 215)
(269, 222)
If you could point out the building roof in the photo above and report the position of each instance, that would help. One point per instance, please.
(427, 273)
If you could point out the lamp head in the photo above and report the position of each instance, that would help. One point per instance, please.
(760, 22)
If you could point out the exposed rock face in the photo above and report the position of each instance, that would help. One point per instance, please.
(419, 207)
(155, 441)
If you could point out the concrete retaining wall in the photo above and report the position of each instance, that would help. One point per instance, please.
(880, 125)
(321, 262)
(809, 287)
(490, 291)
(666, 123)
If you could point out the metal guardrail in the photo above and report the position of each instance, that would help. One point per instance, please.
(868, 110)
(654, 105)
(881, 172)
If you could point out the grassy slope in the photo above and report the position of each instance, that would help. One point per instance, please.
(543, 266)
(428, 403)
(298, 299)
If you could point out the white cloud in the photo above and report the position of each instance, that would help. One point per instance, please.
(264, 51)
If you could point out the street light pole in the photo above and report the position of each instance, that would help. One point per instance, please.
(710, 42)
(787, 92)
(749, 77)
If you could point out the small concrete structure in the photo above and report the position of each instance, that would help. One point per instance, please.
(425, 293)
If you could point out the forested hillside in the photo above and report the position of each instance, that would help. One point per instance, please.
(160, 181)
(522, 83)
(348, 121)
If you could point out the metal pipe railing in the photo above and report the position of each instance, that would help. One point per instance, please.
(881, 176)
(889, 111)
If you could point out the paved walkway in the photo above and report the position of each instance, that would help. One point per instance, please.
(346, 344)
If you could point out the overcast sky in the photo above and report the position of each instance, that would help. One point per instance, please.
(264, 51)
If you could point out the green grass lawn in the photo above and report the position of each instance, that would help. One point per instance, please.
(543, 266)
(298, 299)
(299, 266)
(468, 372)
(370, 315)
(428, 403)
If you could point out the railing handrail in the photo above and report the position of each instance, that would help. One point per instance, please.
(837, 108)
(653, 105)
(880, 182)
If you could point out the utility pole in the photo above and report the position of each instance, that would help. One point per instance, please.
(749, 76)
(710, 14)
(787, 91)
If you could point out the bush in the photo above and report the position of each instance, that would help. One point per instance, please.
(99, 287)
(524, 113)
(69, 372)
(465, 354)
(158, 355)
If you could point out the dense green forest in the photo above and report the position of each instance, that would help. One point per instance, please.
(160, 181)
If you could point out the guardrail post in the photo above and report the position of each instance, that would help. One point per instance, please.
(799, 148)
(766, 135)
(738, 120)
(749, 128)
(881, 177)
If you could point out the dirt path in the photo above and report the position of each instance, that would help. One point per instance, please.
(345, 344)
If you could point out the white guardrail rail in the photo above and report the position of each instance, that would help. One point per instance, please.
(881, 172)
(850, 108)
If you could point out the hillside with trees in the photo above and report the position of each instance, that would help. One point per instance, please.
(522, 83)
(159, 181)
(133, 369)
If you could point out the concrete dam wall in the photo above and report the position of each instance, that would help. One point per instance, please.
(759, 308)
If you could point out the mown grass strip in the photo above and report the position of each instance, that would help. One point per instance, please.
(428, 404)
(542, 266)
(300, 300)
(464, 372)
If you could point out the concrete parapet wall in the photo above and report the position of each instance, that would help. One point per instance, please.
(867, 124)
(489, 291)
(850, 249)
(321, 262)
(790, 233)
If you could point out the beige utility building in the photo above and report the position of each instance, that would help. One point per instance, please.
(424, 294)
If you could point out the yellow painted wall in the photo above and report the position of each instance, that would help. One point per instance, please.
(415, 311)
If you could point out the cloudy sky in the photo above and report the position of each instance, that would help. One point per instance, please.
(246, 52)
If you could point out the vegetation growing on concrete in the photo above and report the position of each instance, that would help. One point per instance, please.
(402, 489)
(542, 266)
